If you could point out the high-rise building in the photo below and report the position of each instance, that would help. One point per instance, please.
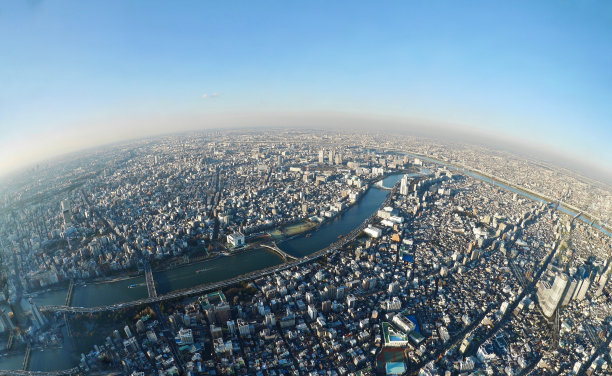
(270, 319)
(36, 315)
(312, 312)
(586, 283)
(231, 326)
(549, 297)
(331, 157)
(321, 156)
(140, 326)
(569, 293)
(151, 336)
(66, 212)
(244, 328)
(131, 344)
(186, 336)
(127, 331)
(404, 185)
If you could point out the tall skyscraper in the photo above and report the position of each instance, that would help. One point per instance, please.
(66, 212)
(550, 296)
(404, 185)
(321, 156)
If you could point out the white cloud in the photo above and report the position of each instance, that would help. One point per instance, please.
(213, 95)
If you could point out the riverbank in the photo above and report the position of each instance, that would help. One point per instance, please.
(292, 230)
(503, 183)
(283, 233)
(244, 263)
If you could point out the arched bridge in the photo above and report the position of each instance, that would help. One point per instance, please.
(274, 247)
(232, 281)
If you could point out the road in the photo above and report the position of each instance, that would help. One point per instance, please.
(229, 282)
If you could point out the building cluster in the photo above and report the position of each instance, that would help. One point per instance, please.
(180, 197)
(453, 277)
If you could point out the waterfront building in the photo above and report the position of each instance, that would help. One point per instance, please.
(236, 239)
(373, 231)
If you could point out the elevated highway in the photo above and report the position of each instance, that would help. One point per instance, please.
(228, 282)
(26, 358)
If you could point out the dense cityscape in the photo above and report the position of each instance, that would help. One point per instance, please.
(304, 252)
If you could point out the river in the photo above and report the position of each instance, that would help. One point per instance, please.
(509, 188)
(328, 232)
(222, 268)
(124, 290)
(218, 269)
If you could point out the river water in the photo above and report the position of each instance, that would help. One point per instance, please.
(507, 187)
(328, 232)
(214, 270)
(222, 268)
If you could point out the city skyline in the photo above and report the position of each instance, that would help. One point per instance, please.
(81, 75)
(249, 251)
(344, 188)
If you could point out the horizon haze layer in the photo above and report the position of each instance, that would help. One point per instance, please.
(84, 139)
(78, 74)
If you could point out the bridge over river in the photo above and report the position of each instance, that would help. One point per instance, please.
(274, 247)
(232, 281)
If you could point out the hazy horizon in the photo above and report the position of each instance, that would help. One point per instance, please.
(444, 133)
(80, 74)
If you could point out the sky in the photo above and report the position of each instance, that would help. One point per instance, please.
(75, 74)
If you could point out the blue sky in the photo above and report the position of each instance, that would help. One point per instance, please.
(76, 73)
